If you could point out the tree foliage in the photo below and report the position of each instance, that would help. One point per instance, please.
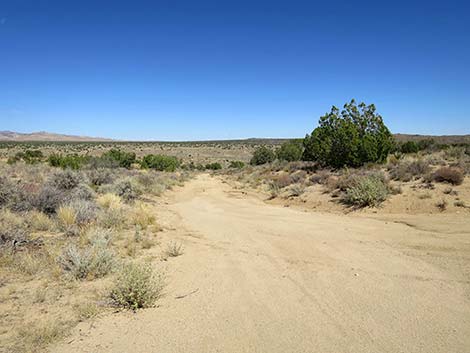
(262, 155)
(290, 151)
(409, 147)
(352, 137)
(160, 162)
(125, 159)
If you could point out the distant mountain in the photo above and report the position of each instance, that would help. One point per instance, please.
(45, 136)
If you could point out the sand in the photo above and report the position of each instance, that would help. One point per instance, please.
(256, 277)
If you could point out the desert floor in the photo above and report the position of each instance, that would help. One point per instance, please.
(257, 277)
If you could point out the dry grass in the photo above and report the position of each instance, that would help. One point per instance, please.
(174, 249)
(35, 337)
(39, 221)
(142, 215)
(66, 218)
(109, 201)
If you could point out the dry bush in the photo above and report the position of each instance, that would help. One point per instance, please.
(100, 176)
(112, 218)
(409, 170)
(137, 286)
(274, 190)
(296, 190)
(441, 205)
(66, 220)
(29, 262)
(35, 337)
(99, 237)
(49, 199)
(454, 152)
(283, 180)
(85, 211)
(109, 201)
(39, 221)
(174, 249)
(86, 311)
(141, 215)
(66, 179)
(13, 230)
(460, 204)
(450, 175)
(299, 176)
(320, 177)
(368, 190)
(91, 262)
(128, 190)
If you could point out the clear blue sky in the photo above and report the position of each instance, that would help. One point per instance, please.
(187, 70)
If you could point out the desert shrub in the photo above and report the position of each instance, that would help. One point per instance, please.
(320, 177)
(147, 180)
(15, 195)
(426, 144)
(127, 190)
(454, 152)
(160, 162)
(66, 180)
(100, 237)
(6, 190)
(406, 170)
(100, 176)
(28, 156)
(174, 249)
(39, 221)
(142, 216)
(102, 162)
(49, 199)
(368, 190)
(112, 218)
(109, 201)
(441, 205)
(75, 262)
(13, 231)
(214, 166)
(283, 180)
(85, 211)
(296, 190)
(137, 286)
(353, 137)
(35, 337)
(262, 155)
(69, 161)
(409, 147)
(236, 164)
(450, 175)
(349, 178)
(81, 192)
(299, 176)
(124, 159)
(66, 220)
(290, 151)
(91, 262)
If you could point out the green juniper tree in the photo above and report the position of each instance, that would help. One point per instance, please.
(352, 137)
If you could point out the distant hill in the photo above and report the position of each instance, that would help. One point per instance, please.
(442, 139)
(45, 136)
(48, 136)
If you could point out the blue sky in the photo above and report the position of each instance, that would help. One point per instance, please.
(192, 70)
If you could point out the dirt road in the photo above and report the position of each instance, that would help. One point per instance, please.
(261, 278)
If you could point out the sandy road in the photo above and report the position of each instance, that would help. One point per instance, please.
(263, 278)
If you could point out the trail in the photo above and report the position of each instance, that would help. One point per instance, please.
(262, 278)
